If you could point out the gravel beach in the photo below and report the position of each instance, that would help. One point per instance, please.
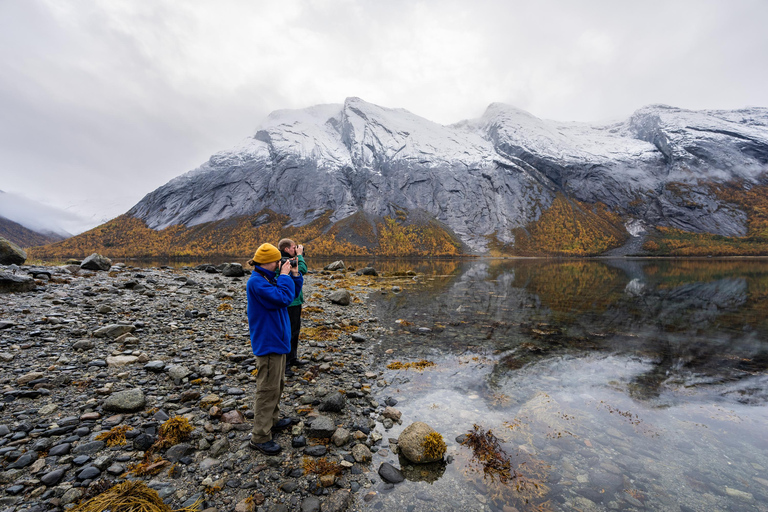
(127, 349)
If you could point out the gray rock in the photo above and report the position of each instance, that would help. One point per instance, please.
(71, 496)
(12, 283)
(340, 297)
(88, 448)
(96, 262)
(25, 460)
(390, 473)
(338, 501)
(333, 402)
(10, 253)
(178, 372)
(315, 451)
(361, 453)
(88, 473)
(336, 265)
(310, 504)
(322, 427)
(155, 366)
(60, 449)
(219, 447)
(367, 271)
(233, 270)
(113, 331)
(83, 345)
(178, 451)
(341, 437)
(53, 477)
(130, 400)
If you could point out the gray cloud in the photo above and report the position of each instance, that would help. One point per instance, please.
(104, 101)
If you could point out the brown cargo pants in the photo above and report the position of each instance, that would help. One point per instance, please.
(269, 387)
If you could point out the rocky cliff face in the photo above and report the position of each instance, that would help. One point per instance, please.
(481, 178)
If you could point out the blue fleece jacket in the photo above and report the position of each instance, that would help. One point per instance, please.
(268, 300)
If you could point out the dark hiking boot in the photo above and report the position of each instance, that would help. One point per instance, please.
(268, 448)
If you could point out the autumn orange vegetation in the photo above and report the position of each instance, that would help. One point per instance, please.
(571, 228)
(126, 236)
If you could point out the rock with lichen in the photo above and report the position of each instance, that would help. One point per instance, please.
(420, 443)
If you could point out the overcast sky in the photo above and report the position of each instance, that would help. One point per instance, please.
(101, 102)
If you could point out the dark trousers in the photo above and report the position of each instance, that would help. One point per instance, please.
(294, 314)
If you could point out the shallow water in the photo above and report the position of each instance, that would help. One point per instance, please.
(611, 385)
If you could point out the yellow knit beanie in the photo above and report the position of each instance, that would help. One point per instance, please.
(266, 253)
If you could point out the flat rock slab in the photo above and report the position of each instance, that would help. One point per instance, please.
(11, 283)
(121, 360)
(113, 331)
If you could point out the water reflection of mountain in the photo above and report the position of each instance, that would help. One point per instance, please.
(701, 324)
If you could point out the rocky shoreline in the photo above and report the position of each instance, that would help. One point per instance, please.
(94, 358)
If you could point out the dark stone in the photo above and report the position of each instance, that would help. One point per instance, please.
(367, 271)
(81, 459)
(12, 283)
(53, 477)
(322, 427)
(14, 490)
(88, 473)
(390, 473)
(25, 460)
(299, 441)
(316, 451)
(333, 402)
(289, 486)
(310, 504)
(338, 501)
(10, 253)
(233, 270)
(88, 448)
(340, 297)
(143, 442)
(60, 449)
(177, 452)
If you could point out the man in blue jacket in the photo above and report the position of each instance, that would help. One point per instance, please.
(268, 299)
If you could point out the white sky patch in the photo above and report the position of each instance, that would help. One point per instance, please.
(104, 101)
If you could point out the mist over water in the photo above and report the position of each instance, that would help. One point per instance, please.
(612, 385)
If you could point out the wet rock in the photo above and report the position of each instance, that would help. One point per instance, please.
(130, 400)
(338, 501)
(392, 413)
(96, 262)
(88, 473)
(316, 451)
(361, 453)
(390, 473)
(411, 443)
(367, 271)
(340, 297)
(143, 442)
(10, 253)
(25, 460)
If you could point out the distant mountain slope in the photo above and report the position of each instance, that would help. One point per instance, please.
(385, 180)
(24, 237)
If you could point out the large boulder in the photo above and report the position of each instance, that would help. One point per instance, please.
(340, 297)
(233, 270)
(336, 265)
(420, 443)
(96, 262)
(12, 283)
(11, 254)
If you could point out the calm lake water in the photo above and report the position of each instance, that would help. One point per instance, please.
(610, 384)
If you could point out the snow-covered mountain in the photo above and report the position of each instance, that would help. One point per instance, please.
(481, 177)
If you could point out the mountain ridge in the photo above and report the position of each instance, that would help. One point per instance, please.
(487, 181)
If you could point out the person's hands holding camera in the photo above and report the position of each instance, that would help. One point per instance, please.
(286, 268)
(299, 249)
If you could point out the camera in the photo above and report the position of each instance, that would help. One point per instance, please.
(294, 261)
